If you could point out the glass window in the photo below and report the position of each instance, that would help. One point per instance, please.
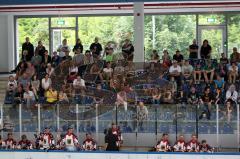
(115, 28)
(211, 19)
(172, 32)
(34, 28)
(233, 32)
(63, 22)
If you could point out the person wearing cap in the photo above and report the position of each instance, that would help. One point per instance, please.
(89, 144)
(175, 72)
(46, 140)
(70, 140)
(24, 144)
(10, 143)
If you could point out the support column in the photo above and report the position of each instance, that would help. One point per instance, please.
(138, 32)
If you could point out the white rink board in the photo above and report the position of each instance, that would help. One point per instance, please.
(120, 155)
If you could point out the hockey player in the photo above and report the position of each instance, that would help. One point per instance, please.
(24, 144)
(204, 147)
(70, 140)
(46, 140)
(193, 144)
(163, 145)
(10, 143)
(180, 145)
(89, 143)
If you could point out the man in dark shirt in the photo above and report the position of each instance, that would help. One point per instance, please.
(193, 96)
(193, 50)
(127, 50)
(178, 56)
(235, 56)
(206, 50)
(206, 100)
(29, 47)
(96, 48)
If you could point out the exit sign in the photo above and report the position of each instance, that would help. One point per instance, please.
(211, 20)
(60, 21)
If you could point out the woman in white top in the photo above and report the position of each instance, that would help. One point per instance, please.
(49, 69)
(29, 96)
(232, 94)
(46, 82)
(62, 49)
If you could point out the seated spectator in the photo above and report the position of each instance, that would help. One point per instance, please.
(12, 84)
(193, 144)
(161, 81)
(88, 58)
(67, 57)
(193, 97)
(30, 69)
(25, 56)
(35, 83)
(206, 101)
(107, 72)
(224, 60)
(49, 69)
(96, 48)
(78, 58)
(129, 69)
(204, 147)
(175, 73)
(63, 48)
(178, 57)
(109, 55)
(18, 96)
(10, 143)
(166, 59)
(219, 83)
(24, 80)
(62, 97)
(29, 97)
(95, 70)
(78, 85)
(155, 56)
(89, 144)
(128, 50)
(156, 96)
(55, 59)
(235, 56)
(51, 95)
(163, 144)
(232, 73)
(222, 71)
(118, 69)
(227, 111)
(232, 94)
(46, 82)
(187, 70)
(73, 72)
(21, 69)
(180, 145)
(208, 70)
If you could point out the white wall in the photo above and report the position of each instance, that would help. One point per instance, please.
(6, 43)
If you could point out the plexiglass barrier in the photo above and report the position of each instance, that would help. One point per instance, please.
(138, 129)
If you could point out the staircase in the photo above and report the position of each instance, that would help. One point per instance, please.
(3, 87)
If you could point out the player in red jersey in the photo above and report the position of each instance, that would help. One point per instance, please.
(10, 143)
(163, 145)
(46, 140)
(89, 143)
(24, 144)
(180, 145)
(204, 147)
(70, 140)
(193, 144)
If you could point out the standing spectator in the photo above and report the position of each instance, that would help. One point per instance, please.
(111, 141)
(232, 73)
(46, 82)
(40, 49)
(127, 50)
(206, 101)
(55, 59)
(142, 114)
(166, 59)
(235, 56)
(178, 57)
(122, 99)
(206, 50)
(89, 144)
(30, 49)
(96, 48)
(193, 50)
(155, 56)
(175, 72)
(232, 94)
(208, 70)
(63, 48)
(78, 45)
